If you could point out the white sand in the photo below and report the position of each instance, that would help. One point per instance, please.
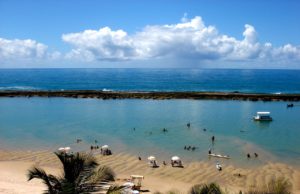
(14, 164)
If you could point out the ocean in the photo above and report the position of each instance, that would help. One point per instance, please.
(48, 123)
(221, 80)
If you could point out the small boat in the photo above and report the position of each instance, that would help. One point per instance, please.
(219, 156)
(262, 116)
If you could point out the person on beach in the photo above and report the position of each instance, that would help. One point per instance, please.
(164, 163)
(248, 155)
(209, 151)
(256, 155)
(140, 158)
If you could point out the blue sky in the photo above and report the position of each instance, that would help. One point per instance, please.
(232, 33)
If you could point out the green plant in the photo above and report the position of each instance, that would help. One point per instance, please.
(80, 175)
(274, 186)
(212, 188)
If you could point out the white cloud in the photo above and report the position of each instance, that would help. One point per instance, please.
(190, 39)
(187, 39)
(12, 49)
(104, 44)
(26, 53)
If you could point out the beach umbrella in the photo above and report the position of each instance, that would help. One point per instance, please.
(67, 149)
(175, 158)
(151, 158)
(64, 149)
(135, 192)
(105, 147)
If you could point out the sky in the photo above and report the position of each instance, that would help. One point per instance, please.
(150, 34)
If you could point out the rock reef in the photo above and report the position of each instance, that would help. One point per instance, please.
(151, 95)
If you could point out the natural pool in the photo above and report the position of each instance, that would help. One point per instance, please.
(47, 123)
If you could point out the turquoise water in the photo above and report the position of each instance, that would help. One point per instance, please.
(48, 123)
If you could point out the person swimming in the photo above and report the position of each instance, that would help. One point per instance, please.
(213, 138)
(209, 151)
(188, 124)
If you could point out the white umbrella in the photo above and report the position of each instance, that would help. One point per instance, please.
(135, 192)
(175, 158)
(105, 147)
(151, 158)
(67, 149)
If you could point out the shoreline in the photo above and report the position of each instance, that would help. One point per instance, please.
(163, 179)
(99, 94)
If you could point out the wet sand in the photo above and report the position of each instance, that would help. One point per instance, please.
(13, 166)
(152, 95)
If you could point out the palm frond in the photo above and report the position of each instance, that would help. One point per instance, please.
(74, 164)
(115, 189)
(80, 175)
(51, 181)
(103, 173)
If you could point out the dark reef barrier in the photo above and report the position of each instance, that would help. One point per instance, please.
(152, 95)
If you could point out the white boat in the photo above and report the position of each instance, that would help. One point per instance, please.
(262, 116)
(219, 156)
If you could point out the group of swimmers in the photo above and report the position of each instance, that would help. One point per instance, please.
(94, 147)
(189, 148)
(249, 156)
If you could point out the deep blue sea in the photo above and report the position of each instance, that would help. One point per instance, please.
(227, 80)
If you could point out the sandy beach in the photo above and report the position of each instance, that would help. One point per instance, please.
(14, 164)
